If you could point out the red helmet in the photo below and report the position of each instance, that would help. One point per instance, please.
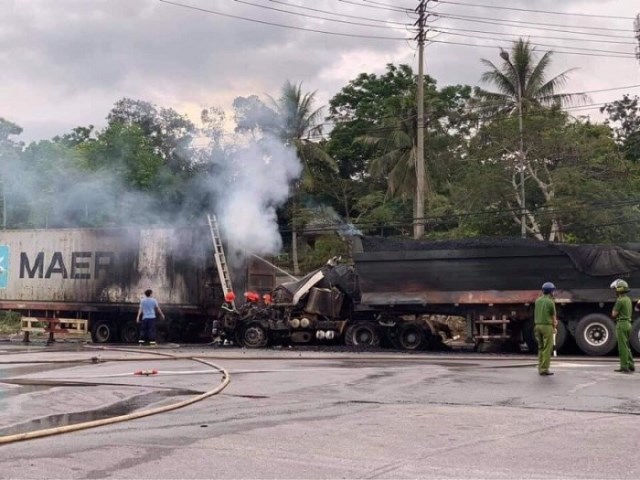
(229, 297)
(252, 297)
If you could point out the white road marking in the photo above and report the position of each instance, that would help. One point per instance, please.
(580, 365)
(582, 386)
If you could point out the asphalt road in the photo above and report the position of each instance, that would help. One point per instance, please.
(292, 414)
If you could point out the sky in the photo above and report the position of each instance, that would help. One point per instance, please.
(64, 63)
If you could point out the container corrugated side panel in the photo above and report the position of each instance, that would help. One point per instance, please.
(102, 265)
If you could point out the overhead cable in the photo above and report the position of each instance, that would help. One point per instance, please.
(506, 20)
(340, 14)
(281, 25)
(541, 28)
(307, 15)
(615, 52)
(546, 12)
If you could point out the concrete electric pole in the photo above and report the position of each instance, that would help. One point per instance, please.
(418, 225)
(637, 31)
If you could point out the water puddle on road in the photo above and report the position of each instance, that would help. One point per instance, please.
(120, 408)
(11, 371)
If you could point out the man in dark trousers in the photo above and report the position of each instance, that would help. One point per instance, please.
(147, 312)
(622, 315)
(545, 326)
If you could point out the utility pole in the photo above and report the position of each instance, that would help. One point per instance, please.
(418, 226)
(523, 214)
(636, 29)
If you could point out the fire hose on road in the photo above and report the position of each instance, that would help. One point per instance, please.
(226, 379)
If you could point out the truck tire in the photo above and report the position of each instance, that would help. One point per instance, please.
(411, 337)
(596, 334)
(530, 339)
(634, 339)
(129, 333)
(103, 332)
(255, 335)
(362, 334)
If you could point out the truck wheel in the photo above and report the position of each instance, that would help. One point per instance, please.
(530, 337)
(254, 336)
(634, 340)
(162, 334)
(595, 334)
(411, 337)
(362, 334)
(103, 332)
(129, 333)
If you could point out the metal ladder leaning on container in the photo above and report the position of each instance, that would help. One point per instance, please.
(219, 256)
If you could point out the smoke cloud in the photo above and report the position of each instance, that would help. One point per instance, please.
(253, 181)
(243, 179)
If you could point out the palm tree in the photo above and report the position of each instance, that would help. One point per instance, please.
(297, 123)
(522, 82)
(396, 142)
(522, 85)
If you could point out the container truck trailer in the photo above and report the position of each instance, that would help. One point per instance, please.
(101, 274)
(392, 286)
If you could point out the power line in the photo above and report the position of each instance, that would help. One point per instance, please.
(387, 8)
(306, 15)
(263, 22)
(340, 14)
(447, 28)
(612, 89)
(502, 24)
(540, 212)
(548, 12)
(446, 15)
(555, 51)
(617, 52)
(589, 106)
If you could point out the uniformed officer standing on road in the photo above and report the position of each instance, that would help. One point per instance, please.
(622, 315)
(545, 326)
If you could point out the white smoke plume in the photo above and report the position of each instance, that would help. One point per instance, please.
(254, 181)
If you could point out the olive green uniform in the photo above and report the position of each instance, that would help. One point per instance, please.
(624, 307)
(545, 311)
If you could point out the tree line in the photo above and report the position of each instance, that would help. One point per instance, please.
(513, 149)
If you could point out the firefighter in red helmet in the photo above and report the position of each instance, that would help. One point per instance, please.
(226, 317)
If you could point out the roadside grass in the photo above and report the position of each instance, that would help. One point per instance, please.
(9, 322)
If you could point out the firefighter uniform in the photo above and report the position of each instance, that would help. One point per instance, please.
(622, 313)
(545, 311)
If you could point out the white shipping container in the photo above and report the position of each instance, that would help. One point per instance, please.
(105, 266)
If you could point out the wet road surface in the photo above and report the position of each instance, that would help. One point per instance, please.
(289, 414)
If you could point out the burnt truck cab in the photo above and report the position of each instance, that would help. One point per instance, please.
(317, 306)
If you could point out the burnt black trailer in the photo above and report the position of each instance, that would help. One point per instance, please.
(393, 286)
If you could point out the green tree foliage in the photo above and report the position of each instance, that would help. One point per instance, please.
(446, 124)
(291, 118)
(152, 148)
(360, 107)
(374, 141)
(578, 186)
(624, 119)
(9, 155)
(49, 171)
(168, 132)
